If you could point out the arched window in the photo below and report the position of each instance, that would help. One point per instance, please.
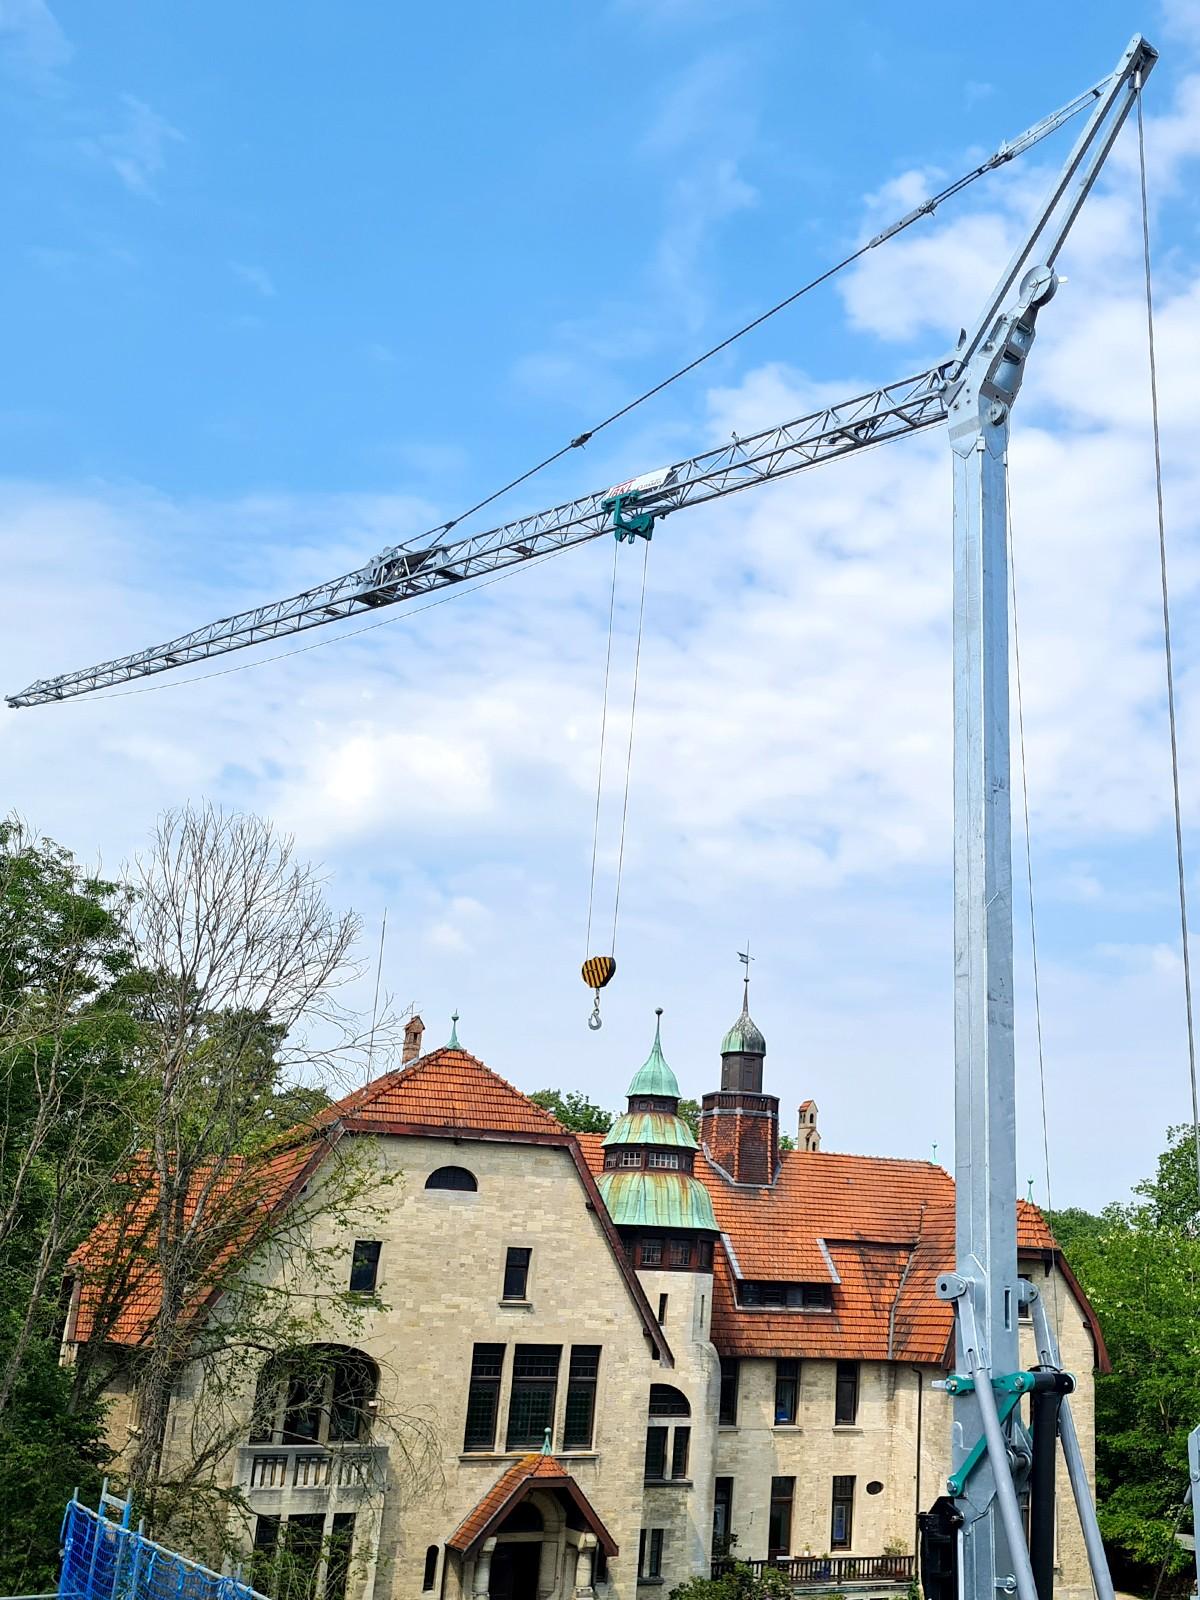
(667, 1401)
(431, 1556)
(452, 1178)
(315, 1394)
(668, 1438)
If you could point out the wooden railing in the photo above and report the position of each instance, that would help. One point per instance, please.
(831, 1570)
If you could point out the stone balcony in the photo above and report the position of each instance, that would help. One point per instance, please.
(270, 1474)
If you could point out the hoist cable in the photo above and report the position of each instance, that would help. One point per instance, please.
(1006, 152)
(637, 657)
(612, 600)
(1033, 944)
(1166, 617)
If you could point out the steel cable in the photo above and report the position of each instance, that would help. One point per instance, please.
(1166, 619)
(1033, 944)
(612, 600)
(637, 657)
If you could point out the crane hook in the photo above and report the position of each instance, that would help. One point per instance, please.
(597, 971)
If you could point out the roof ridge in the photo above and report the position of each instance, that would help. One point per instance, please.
(358, 1099)
(922, 1162)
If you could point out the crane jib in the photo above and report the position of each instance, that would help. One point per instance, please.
(406, 572)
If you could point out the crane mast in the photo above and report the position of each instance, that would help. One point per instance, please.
(972, 390)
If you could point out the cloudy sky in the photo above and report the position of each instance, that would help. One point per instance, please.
(286, 284)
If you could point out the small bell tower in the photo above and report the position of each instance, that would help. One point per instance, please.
(807, 1136)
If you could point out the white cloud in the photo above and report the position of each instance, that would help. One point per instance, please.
(1182, 18)
(135, 149)
(32, 42)
(258, 278)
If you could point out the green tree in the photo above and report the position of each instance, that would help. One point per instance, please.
(1139, 1265)
(574, 1110)
(66, 1128)
(740, 1582)
(1173, 1194)
(689, 1110)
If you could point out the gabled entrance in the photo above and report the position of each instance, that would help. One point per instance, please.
(534, 1533)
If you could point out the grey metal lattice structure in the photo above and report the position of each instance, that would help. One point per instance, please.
(973, 391)
(406, 571)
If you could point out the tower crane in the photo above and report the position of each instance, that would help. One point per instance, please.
(994, 1462)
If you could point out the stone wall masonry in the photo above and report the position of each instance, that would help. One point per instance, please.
(441, 1278)
(441, 1272)
(685, 1513)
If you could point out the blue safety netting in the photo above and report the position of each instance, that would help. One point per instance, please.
(105, 1559)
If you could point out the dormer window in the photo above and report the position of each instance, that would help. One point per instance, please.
(786, 1296)
(668, 1159)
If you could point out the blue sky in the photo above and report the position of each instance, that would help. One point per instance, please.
(288, 283)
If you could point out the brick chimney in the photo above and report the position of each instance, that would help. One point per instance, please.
(739, 1124)
(413, 1029)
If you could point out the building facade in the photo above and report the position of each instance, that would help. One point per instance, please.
(585, 1365)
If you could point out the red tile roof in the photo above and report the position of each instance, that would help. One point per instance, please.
(444, 1089)
(880, 1229)
(448, 1093)
(529, 1473)
(120, 1282)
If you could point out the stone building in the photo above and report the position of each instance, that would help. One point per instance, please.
(629, 1350)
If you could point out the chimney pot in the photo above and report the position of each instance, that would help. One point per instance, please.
(413, 1029)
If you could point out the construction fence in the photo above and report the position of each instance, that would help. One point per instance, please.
(104, 1558)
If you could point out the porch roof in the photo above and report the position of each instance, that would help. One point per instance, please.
(515, 1484)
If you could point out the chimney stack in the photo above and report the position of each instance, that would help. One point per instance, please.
(413, 1029)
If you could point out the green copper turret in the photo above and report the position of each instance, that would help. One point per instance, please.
(647, 1180)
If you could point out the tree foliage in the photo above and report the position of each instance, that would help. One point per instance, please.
(574, 1110)
(1139, 1265)
(65, 1129)
(157, 1038)
(740, 1582)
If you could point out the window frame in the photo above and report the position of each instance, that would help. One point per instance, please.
(842, 1500)
(727, 1414)
(307, 1405)
(338, 1552)
(581, 1386)
(484, 1383)
(518, 1261)
(668, 1401)
(453, 1188)
(655, 1553)
(361, 1257)
(782, 1505)
(722, 1503)
(787, 1386)
(657, 1453)
(429, 1581)
(527, 1384)
(846, 1394)
(681, 1445)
